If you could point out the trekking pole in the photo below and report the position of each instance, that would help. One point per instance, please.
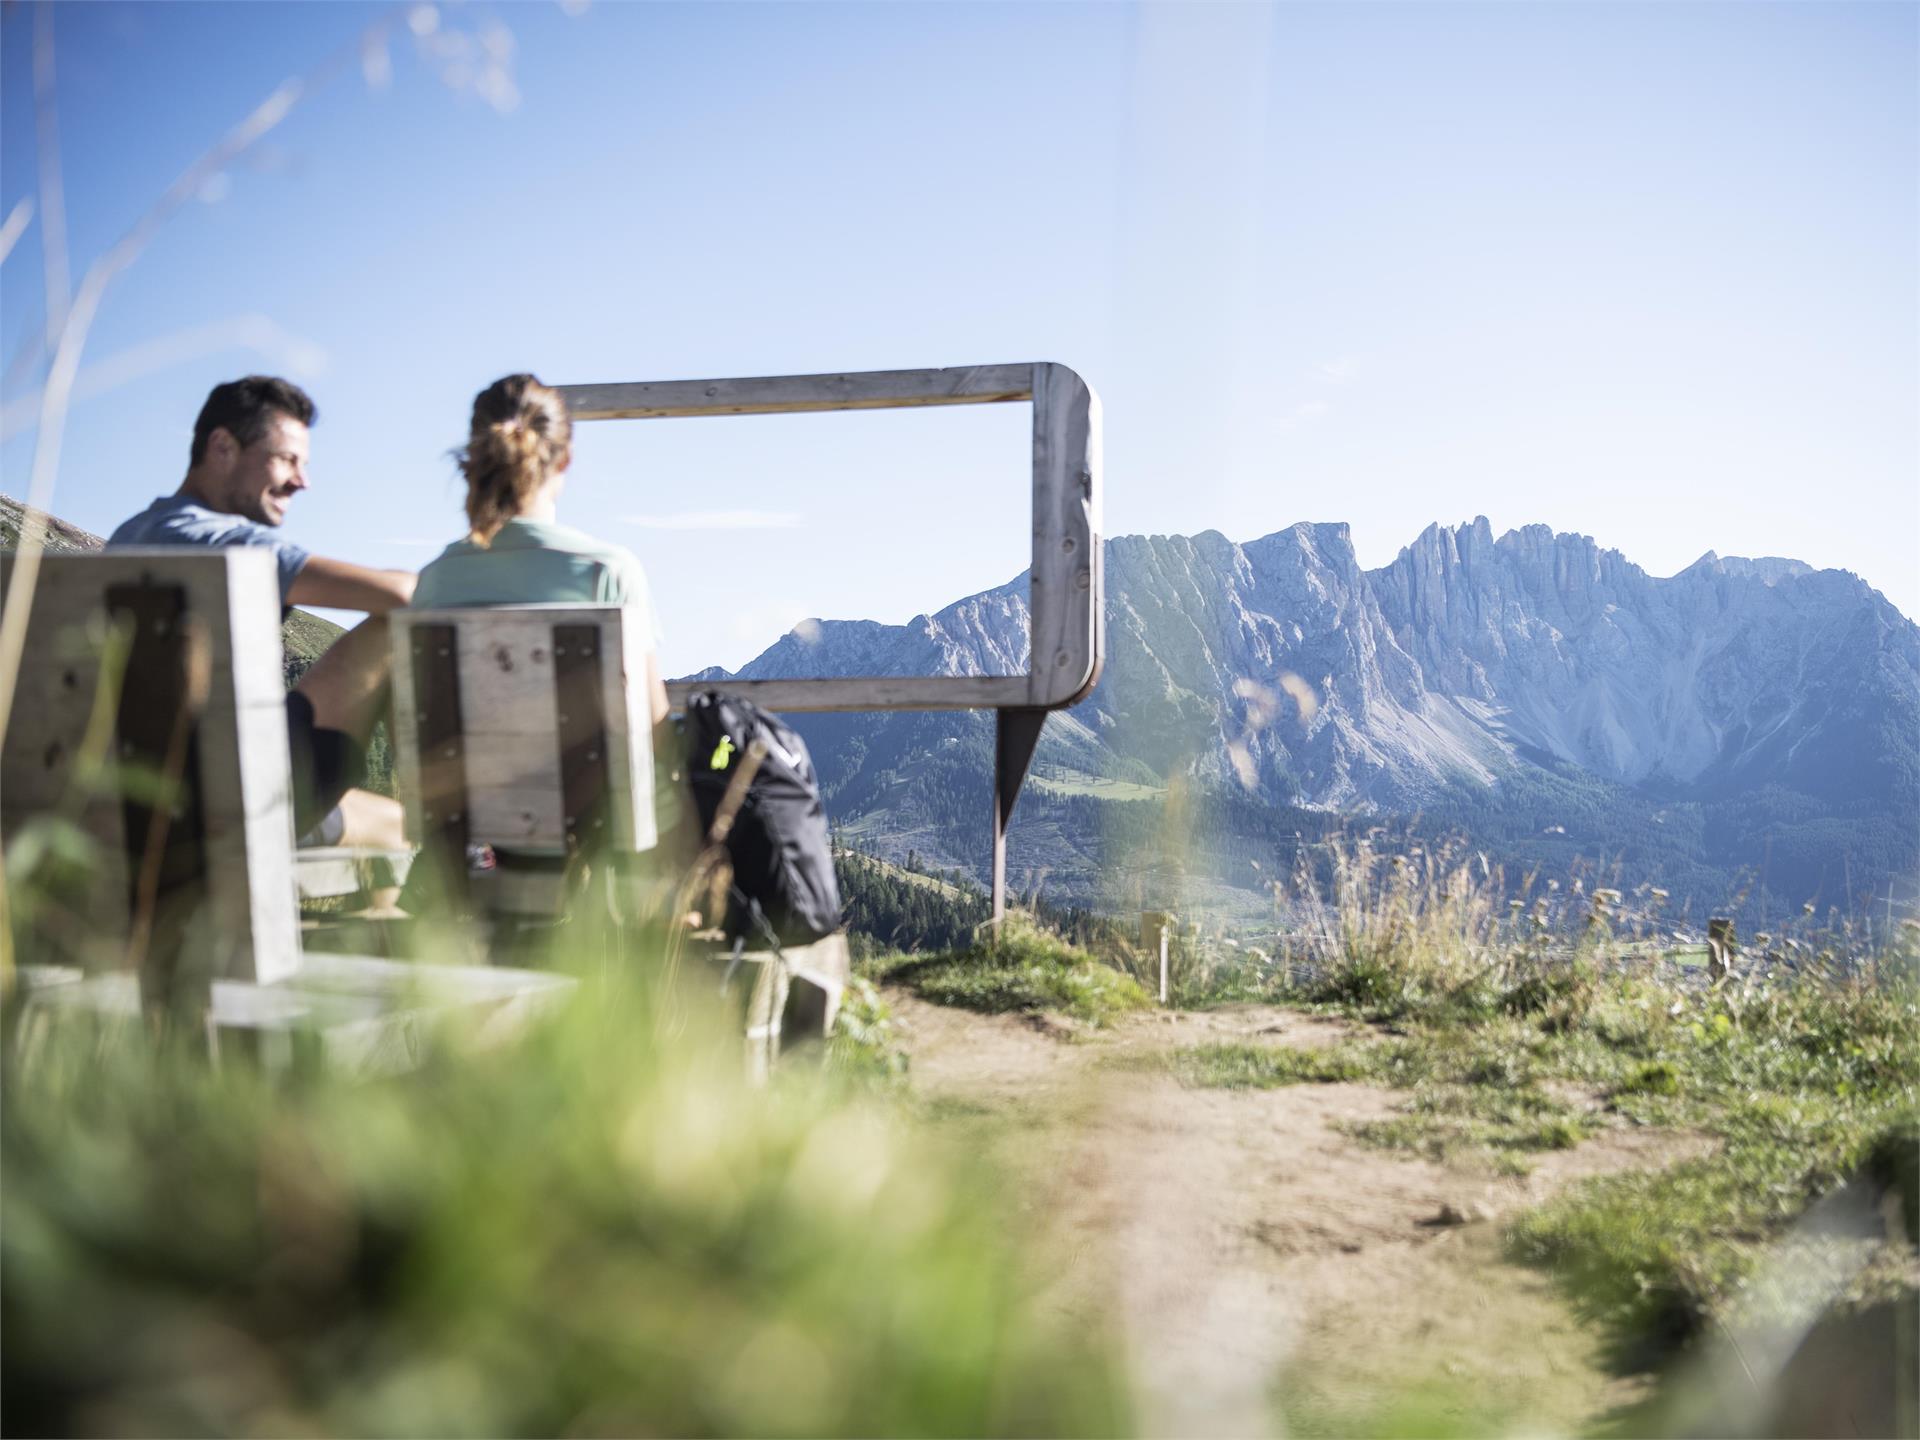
(705, 868)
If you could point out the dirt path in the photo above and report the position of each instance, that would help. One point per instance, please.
(1266, 1271)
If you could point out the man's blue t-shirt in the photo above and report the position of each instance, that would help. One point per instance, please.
(175, 520)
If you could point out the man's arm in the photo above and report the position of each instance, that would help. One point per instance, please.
(339, 585)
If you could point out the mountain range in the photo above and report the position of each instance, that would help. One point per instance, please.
(1745, 733)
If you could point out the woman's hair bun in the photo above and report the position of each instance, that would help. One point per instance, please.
(519, 436)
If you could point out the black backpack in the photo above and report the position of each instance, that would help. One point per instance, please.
(782, 858)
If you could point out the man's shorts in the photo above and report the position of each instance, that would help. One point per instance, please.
(325, 764)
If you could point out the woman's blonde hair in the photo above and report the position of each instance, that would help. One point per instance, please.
(520, 435)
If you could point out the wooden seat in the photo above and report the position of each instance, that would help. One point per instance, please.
(147, 805)
(329, 872)
(353, 1013)
(148, 671)
(524, 731)
(523, 737)
(523, 727)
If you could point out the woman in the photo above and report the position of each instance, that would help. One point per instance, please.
(519, 445)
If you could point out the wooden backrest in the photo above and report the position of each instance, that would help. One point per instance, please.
(525, 727)
(148, 665)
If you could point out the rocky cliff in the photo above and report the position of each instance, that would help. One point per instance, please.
(1282, 666)
(1283, 671)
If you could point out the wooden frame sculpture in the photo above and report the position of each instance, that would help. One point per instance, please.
(1065, 604)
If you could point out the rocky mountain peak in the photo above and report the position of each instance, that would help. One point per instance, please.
(1456, 661)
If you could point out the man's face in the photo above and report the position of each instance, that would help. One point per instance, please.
(264, 477)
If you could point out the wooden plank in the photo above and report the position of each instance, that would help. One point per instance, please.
(518, 817)
(254, 627)
(1067, 582)
(358, 1014)
(263, 884)
(435, 725)
(248, 912)
(157, 728)
(794, 394)
(1067, 578)
(510, 721)
(406, 979)
(628, 711)
(581, 727)
(791, 998)
(879, 692)
(505, 891)
(323, 872)
(239, 583)
(44, 742)
(327, 872)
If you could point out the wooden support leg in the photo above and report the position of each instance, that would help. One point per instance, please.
(163, 691)
(1016, 734)
(443, 760)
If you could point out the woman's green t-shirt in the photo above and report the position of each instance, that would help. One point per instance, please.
(534, 562)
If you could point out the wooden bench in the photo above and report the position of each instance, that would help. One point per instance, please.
(334, 872)
(525, 732)
(147, 806)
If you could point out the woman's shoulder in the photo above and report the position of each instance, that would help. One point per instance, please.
(443, 566)
(555, 536)
(624, 577)
(463, 546)
(451, 552)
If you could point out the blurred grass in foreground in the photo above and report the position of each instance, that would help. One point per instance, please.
(601, 1229)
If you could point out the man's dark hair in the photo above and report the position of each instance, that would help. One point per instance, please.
(243, 408)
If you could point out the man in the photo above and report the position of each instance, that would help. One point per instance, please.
(248, 461)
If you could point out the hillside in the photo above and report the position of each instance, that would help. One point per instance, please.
(1745, 731)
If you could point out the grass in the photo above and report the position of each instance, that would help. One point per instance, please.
(1245, 1066)
(1796, 1097)
(601, 1228)
(1799, 1088)
(1794, 1089)
(1509, 1047)
(1098, 787)
(1490, 1108)
(1023, 969)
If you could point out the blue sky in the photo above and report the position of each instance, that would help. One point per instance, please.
(1643, 271)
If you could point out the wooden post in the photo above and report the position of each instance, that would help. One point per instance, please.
(1154, 925)
(1016, 733)
(165, 836)
(1722, 947)
(440, 737)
